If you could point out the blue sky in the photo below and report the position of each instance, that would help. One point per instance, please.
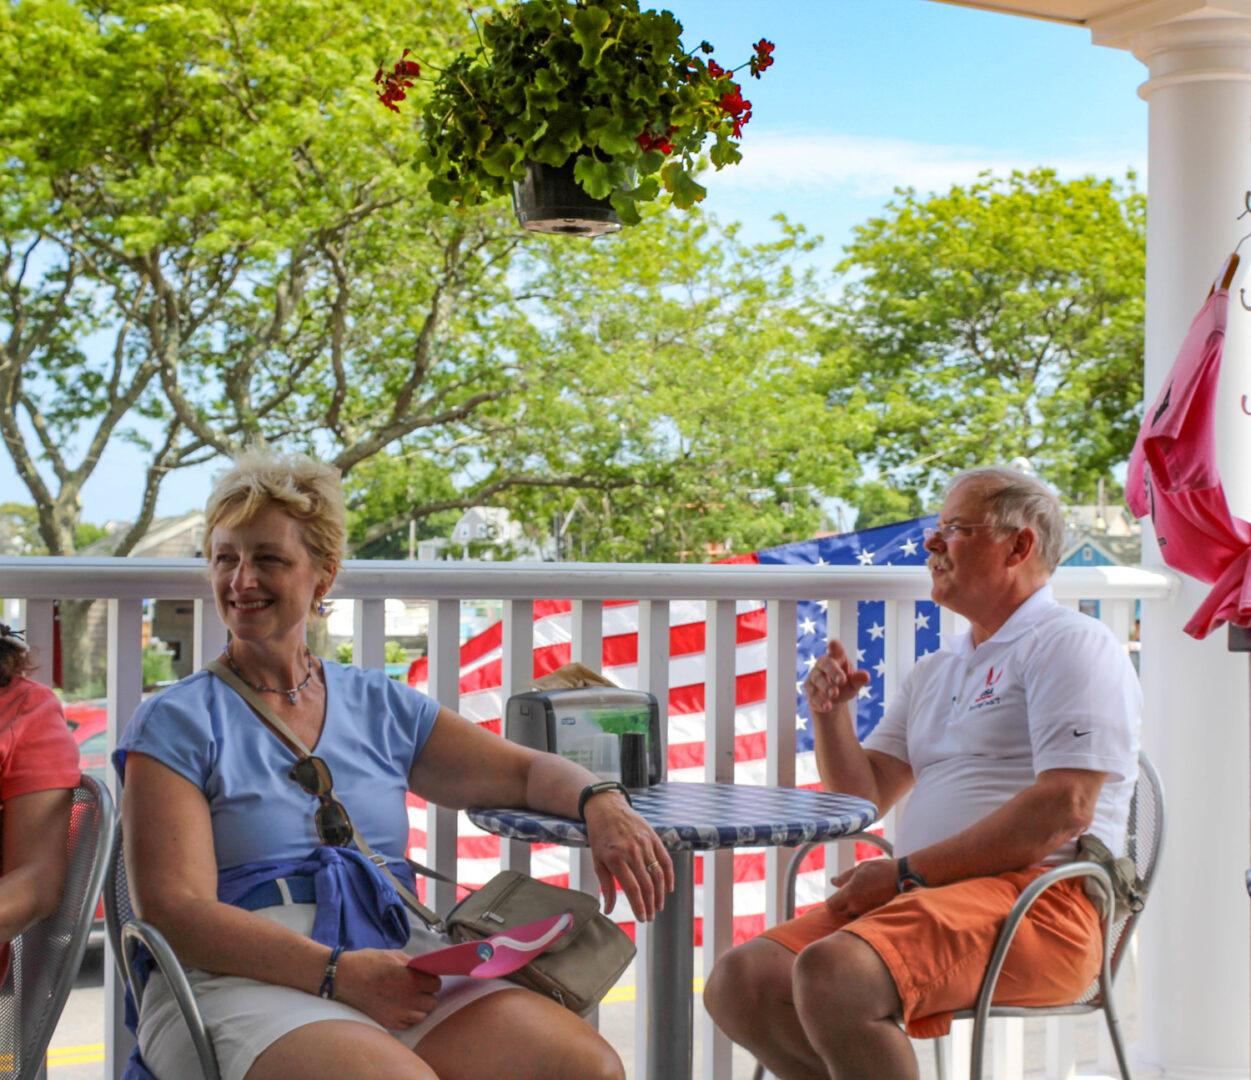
(865, 96)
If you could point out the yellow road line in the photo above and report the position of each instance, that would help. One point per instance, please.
(628, 993)
(75, 1055)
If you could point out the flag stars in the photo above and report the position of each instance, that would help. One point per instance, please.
(879, 669)
(877, 631)
(864, 692)
(909, 547)
(865, 558)
(807, 627)
(810, 661)
(921, 622)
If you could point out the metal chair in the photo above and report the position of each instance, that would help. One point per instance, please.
(127, 934)
(47, 956)
(1144, 838)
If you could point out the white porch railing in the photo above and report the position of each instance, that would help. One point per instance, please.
(126, 583)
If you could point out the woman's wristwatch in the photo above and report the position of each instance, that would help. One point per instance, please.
(591, 790)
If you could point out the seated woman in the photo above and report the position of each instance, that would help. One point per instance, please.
(306, 976)
(38, 770)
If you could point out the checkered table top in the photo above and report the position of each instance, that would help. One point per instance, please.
(702, 817)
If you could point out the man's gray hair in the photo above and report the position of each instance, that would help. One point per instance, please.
(1015, 500)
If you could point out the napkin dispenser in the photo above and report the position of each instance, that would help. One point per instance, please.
(568, 722)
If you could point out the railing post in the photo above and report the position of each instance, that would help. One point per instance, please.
(1061, 1048)
(442, 823)
(587, 647)
(720, 646)
(653, 675)
(780, 665)
(125, 691)
(517, 672)
(40, 634)
(208, 633)
(369, 634)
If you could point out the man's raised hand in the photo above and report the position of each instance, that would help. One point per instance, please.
(833, 680)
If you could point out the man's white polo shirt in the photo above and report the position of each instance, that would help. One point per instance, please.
(1052, 689)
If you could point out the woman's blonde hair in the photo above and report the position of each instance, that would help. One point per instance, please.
(304, 489)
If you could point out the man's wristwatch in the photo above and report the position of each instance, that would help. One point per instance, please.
(591, 790)
(909, 879)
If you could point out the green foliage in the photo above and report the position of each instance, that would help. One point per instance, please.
(19, 530)
(596, 79)
(1000, 320)
(882, 504)
(394, 654)
(685, 385)
(158, 666)
(216, 197)
(87, 533)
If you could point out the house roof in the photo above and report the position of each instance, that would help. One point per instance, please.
(162, 529)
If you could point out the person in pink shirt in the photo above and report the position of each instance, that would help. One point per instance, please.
(1173, 474)
(38, 772)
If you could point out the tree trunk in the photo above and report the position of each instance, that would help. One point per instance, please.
(79, 666)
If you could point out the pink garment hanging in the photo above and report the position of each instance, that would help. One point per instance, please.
(1173, 474)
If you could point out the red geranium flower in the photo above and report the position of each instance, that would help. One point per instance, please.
(397, 80)
(649, 141)
(715, 69)
(763, 57)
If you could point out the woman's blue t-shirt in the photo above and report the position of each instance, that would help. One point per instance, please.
(375, 728)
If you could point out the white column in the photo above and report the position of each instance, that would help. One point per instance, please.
(1195, 990)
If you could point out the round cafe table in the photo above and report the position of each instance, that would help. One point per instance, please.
(690, 818)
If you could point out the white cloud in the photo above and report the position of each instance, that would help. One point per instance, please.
(867, 167)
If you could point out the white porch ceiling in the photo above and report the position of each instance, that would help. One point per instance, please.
(1090, 13)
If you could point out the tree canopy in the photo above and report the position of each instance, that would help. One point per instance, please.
(211, 234)
(999, 320)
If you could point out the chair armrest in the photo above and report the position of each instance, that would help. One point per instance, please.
(801, 853)
(137, 932)
(1024, 902)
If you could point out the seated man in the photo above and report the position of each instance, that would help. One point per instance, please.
(1014, 739)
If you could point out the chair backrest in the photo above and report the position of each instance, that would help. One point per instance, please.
(117, 908)
(47, 956)
(1143, 840)
(1144, 836)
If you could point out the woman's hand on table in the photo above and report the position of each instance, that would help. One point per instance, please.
(380, 983)
(625, 848)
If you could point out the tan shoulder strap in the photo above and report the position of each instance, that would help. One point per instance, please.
(280, 728)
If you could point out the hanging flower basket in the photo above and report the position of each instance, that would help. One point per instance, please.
(597, 88)
(550, 200)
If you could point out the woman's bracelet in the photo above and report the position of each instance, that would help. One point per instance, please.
(326, 990)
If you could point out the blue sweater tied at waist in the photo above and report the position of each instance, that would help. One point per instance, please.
(357, 907)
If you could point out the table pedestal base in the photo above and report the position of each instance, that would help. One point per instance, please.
(671, 949)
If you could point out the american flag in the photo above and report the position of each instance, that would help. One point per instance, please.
(481, 698)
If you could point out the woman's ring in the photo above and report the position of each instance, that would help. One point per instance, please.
(652, 865)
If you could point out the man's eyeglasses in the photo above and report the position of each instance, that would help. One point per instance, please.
(946, 532)
(332, 821)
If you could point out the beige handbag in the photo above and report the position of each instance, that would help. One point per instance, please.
(577, 970)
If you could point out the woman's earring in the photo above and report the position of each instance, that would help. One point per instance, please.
(322, 610)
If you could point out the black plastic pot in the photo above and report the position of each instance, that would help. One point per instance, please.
(550, 200)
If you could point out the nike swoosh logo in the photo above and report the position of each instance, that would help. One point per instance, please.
(1079, 734)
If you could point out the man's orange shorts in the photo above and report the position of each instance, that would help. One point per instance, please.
(937, 944)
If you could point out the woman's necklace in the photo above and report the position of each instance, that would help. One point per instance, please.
(273, 689)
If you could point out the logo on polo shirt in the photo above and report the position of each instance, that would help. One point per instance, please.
(988, 695)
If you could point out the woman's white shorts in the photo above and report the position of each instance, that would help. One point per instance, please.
(245, 1016)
